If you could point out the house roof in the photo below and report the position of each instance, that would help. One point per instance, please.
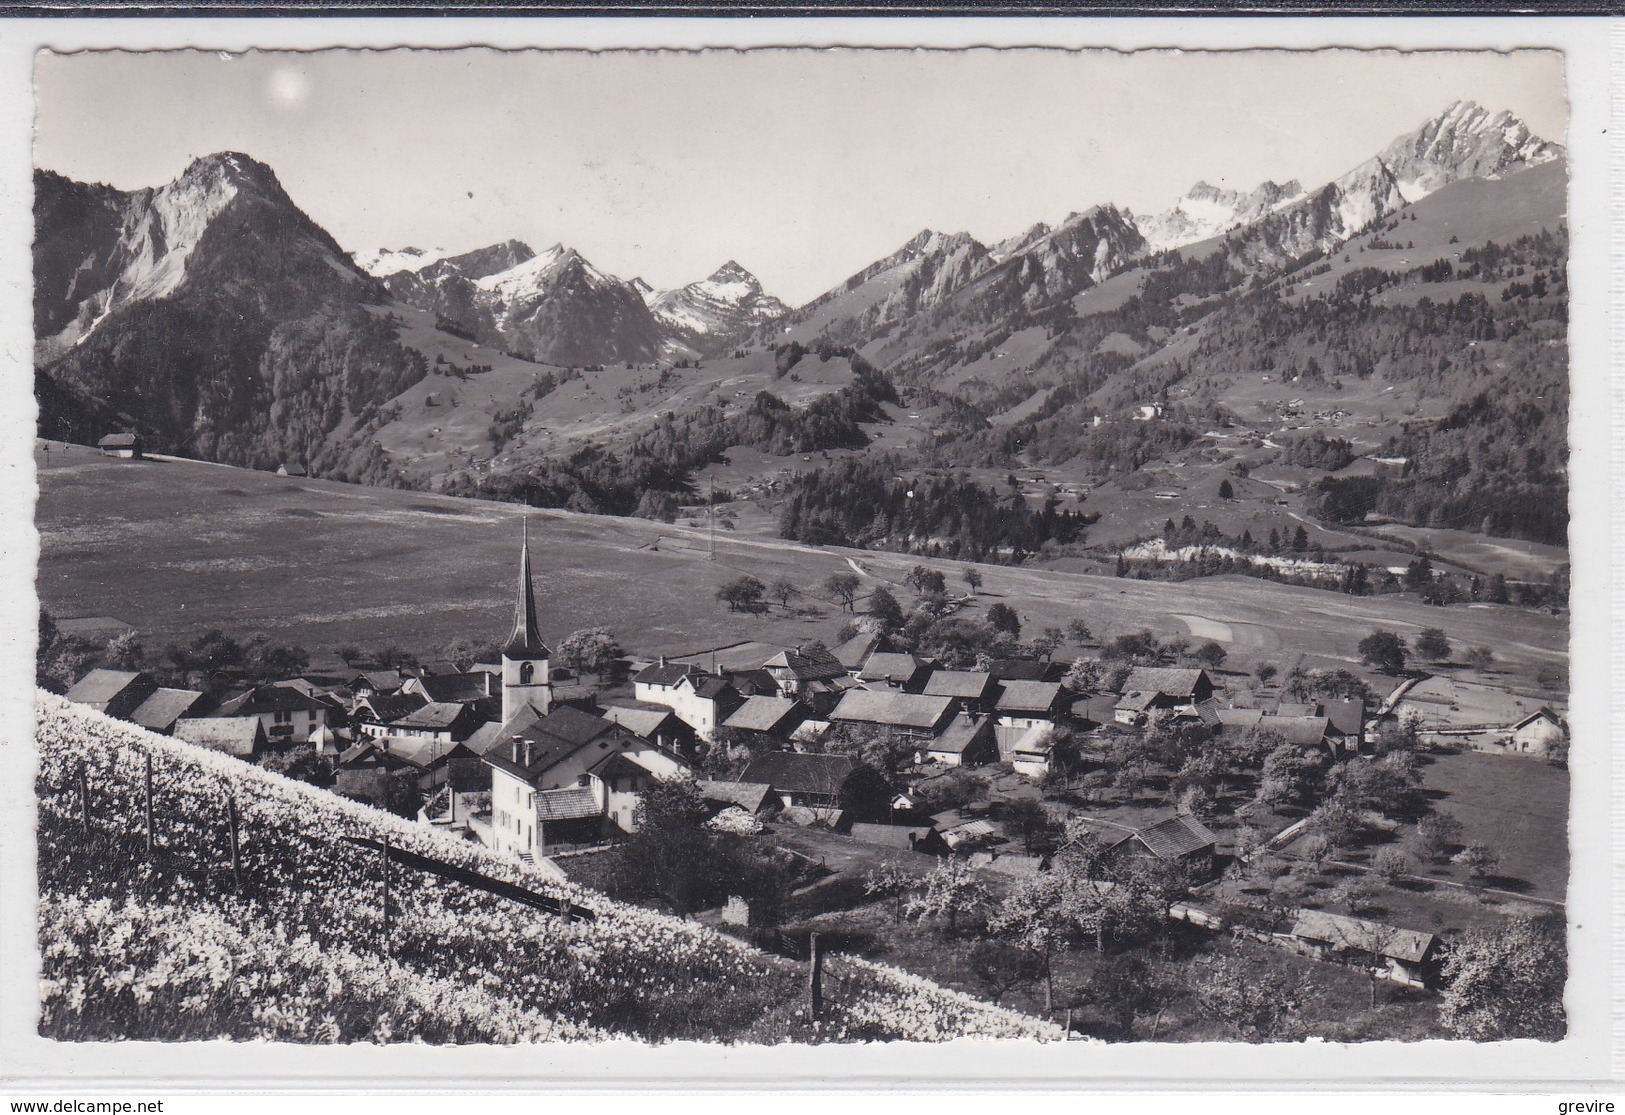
(665, 674)
(1036, 740)
(566, 805)
(885, 666)
(889, 707)
(1241, 719)
(958, 683)
(118, 441)
(419, 752)
(1177, 836)
(381, 681)
(891, 836)
(553, 738)
(1021, 669)
(1029, 696)
(1294, 708)
(761, 714)
(1207, 712)
(392, 706)
(796, 772)
(272, 698)
(160, 711)
(100, 686)
(1410, 945)
(1347, 714)
(1542, 713)
(1166, 680)
(1308, 731)
(641, 722)
(436, 716)
(710, 687)
(1015, 864)
(618, 764)
(747, 795)
(809, 665)
(456, 687)
(1137, 700)
(856, 650)
(961, 732)
(235, 735)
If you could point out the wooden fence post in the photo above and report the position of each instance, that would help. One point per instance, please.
(84, 798)
(384, 861)
(149, 804)
(815, 976)
(231, 823)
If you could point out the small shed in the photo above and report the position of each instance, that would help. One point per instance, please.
(127, 446)
(1403, 954)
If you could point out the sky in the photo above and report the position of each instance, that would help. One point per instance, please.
(803, 165)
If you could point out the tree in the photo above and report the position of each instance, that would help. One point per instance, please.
(782, 590)
(1004, 618)
(1436, 837)
(742, 594)
(670, 858)
(1045, 645)
(1506, 982)
(844, 587)
(349, 654)
(1480, 861)
(1211, 655)
(1383, 650)
(1357, 892)
(1027, 819)
(883, 606)
(1433, 644)
(1000, 967)
(1419, 573)
(1257, 1001)
(1083, 676)
(950, 892)
(1496, 593)
(1037, 916)
(1079, 632)
(1264, 672)
(124, 652)
(1392, 864)
(1300, 539)
(973, 578)
(1226, 491)
(592, 648)
(926, 582)
(1480, 658)
(893, 882)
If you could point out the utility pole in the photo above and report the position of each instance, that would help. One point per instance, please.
(711, 522)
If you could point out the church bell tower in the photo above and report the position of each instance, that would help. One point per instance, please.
(525, 657)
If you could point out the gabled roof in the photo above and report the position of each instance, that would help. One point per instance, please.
(967, 684)
(961, 732)
(889, 707)
(1177, 836)
(1037, 740)
(436, 716)
(795, 772)
(457, 687)
(1542, 713)
(1307, 731)
(1347, 714)
(762, 714)
(1207, 712)
(619, 765)
(897, 669)
(1165, 680)
(159, 712)
(890, 836)
(1294, 708)
(419, 752)
(235, 735)
(566, 805)
(641, 722)
(709, 686)
(747, 795)
(1409, 945)
(1240, 719)
(665, 674)
(118, 441)
(809, 665)
(1137, 700)
(553, 738)
(856, 650)
(1021, 669)
(392, 706)
(272, 698)
(380, 681)
(100, 686)
(1029, 696)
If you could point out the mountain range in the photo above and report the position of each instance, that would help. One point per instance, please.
(218, 319)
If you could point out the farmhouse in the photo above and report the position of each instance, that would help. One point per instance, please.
(127, 446)
(1027, 704)
(159, 712)
(1305, 731)
(1347, 722)
(371, 714)
(968, 741)
(1538, 733)
(913, 715)
(1403, 955)
(461, 688)
(116, 693)
(856, 651)
(700, 700)
(1151, 689)
(795, 671)
(653, 684)
(1180, 839)
(776, 717)
(970, 690)
(821, 783)
(287, 714)
(437, 721)
(435, 761)
(754, 798)
(374, 683)
(654, 724)
(242, 736)
(895, 671)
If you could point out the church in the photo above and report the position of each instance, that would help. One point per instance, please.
(561, 775)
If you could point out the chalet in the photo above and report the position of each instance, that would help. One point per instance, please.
(1030, 751)
(913, 715)
(159, 712)
(894, 671)
(1237, 722)
(755, 798)
(552, 780)
(1305, 731)
(436, 762)
(905, 838)
(127, 446)
(462, 688)
(437, 721)
(795, 671)
(370, 714)
(653, 684)
(1025, 669)
(1203, 714)
(1295, 708)
(115, 693)
(374, 683)
(970, 690)
(822, 783)
(291, 468)
(241, 736)
(287, 714)
(853, 653)
(1401, 955)
(1150, 690)
(967, 742)
(1537, 733)
(776, 717)
(654, 724)
(1027, 704)
(1181, 839)
(1346, 716)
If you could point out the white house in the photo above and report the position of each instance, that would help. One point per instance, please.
(1537, 733)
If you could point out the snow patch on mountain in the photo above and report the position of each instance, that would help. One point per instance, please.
(1207, 211)
(383, 262)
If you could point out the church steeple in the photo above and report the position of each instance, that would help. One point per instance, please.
(525, 642)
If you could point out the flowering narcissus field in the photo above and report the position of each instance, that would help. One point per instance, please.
(172, 944)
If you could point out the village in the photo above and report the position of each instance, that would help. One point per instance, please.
(1299, 811)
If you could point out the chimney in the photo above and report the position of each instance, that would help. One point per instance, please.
(516, 749)
(662, 661)
(527, 753)
(486, 674)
